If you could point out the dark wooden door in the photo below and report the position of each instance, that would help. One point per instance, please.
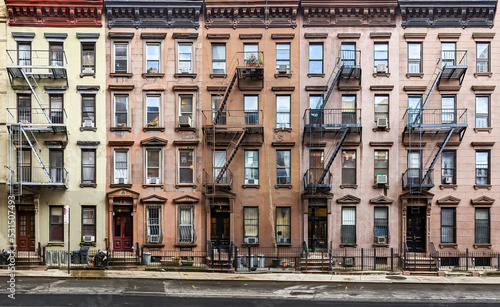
(415, 228)
(122, 231)
(317, 228)
(219, 220)
(25, 230)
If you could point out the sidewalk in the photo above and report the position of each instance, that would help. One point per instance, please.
(252, 277)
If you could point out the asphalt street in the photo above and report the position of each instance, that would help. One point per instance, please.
(128, 292)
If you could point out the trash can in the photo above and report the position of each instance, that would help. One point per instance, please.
(261, 261)
(84, 255)
(146, 258)
(75, 257)
(239, 261)
(101, 259)
(249, 262)
(3, 257)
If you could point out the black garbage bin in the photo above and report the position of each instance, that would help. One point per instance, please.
(75, 257)
(84, 255)
(101, 259)
(3, 257)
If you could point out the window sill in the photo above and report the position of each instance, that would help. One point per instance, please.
(153, 75)
(282, 129)
(415, 75)
(188, 75)
(193, 129)
(251, 186)
(380, 245)
(348, 244)
(88, 185)
(485, 245)
(185, 244)
(119, 75)
(159, 185)
(284, 244)
(88, 129)
(119, 185)
(282, 75)
(483, 74)
(153, 129)
(88, 244)
(387, 129)
(87, 75)
(476, 130)
(482, 186)
(283, 186)
(316, 75)
(121, 129)
(55, 244)
(348, 186)
(250, 245)
(448, 245)
(448, 186)
(382, 74)
(218, 76)
(189, 185)
(381, 186)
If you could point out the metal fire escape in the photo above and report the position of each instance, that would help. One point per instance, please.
(27, 124)
(333, 125)
(226, 127)
(439, 123)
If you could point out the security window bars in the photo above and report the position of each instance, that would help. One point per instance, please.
(414, 58)
(88, 166)
(283, 225)
(185, 58)
(88, 111)
(153, 56)
(152, 111)
(349, 167)
(186, 167)
(153, 224)
(121, 167)
(218, 58)
(482, 57)
(448, 225)
(153, 166)
(186, 225)
(348, 230)
(251, 222)
(482, 226)
(381, 224)
(251, 167)
(89, 222)
(482, 167)
(283, 167)
(316, 58)
(88, 58)
(121, 58)
(121, 111)
(283, 111)
(482, 111)
(448, 167)
(56, 231)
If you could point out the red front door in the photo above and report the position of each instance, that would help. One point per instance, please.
(122, 231)
(25, 230)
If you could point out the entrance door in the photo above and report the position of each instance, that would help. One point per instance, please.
(26, 228)
(415, 228)
(122, 236)
(317, 228)
(219, 226)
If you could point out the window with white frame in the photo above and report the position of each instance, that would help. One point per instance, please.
(251, 106)
(121, 61)
(482, 57)
(186, 225)
(153, 225)
(251, 167)
(153, 110)
(381, 225)
(153, 166)
(185, 58)
(381, 57)
(381, 110)
(315, 58)
(414, 58)
(482, 167)
(88, 224)
(283, 111)
(482, 111)
(121, 111)
(186, 166)
(250, 51)
(185, 110)
(348, 225)
(88, 58)
(283, 167)
(218, 58)
(121, 167)
(250, 222)
(283, 57)
(153, 57)
(381, 166)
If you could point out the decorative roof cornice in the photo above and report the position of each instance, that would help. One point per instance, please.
(153, 13)
(349, 13)
(251, 14)
(447, 13)
(55, 13)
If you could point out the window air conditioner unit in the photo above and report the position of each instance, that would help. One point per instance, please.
(382, 122)
(121, 180)
(88, 123)
(252, 240)
(251, 181)
(381, 179)
(349, 261)
(184, 70)
(88, 239)
(282, 69)
(448, 180)
(154, 239)
(153, 180)
(381, 68)
(381, 240)
(185, 121)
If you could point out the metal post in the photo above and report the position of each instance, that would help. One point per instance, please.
(404, 260)
(392, 259)
(43, 256)
(498, 262)
(374, 258)
(212, 257)
(142, 255)
(248, 264)
(362, 260)
(69, 239)
(466, 259)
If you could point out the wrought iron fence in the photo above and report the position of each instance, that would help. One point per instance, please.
(252, 258)
(467, 260)
(156, 257)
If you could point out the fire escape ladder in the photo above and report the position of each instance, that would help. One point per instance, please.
(438, 154)
(236, 145)
(225, 97)
(16, 189)
(333, 154)
(429, 90)
(335, 75)
(34, 88)
(36, 149)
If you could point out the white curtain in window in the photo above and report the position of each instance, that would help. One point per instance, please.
(349, 216)
(121, 165)
(251, 219)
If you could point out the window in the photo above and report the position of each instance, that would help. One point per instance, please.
(24, 165)
(121, 167)
(316, 58)
(348, 225)
(185, 58)
(56, 165)
(382, 108)
(251, 167)
(24, 54)
(56, 109)
(185, 110)
(251, 105)
(414, 165)
(56, 54)
(414, 58)
(348, 109)
(121, 58)
(88, 111)
(482, 57)
(448, 225)
(414, 106)
(283, 56)
(448, 54)
(283, 111)
(153, 111)
(283, 225)
(315, 112)
(316, 166)
(250, 222)
(89, 223)
(186, 166)
(482, 231)
(283, 167)
(482, 167)
(250, 51)
(153, 166)
(482, 111)
(121, 111)
(448, 109)
(153, 56)
(153, 225)
(186, 225)
(381, 57)
(381, 166)
(56, 224)
(381, 225)
(448, 166)
(349, 167)
(24, 108)
(218, 163)
(88, 166)
(218, 58)
(88, 58)
(216, 102)
(348, 54)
